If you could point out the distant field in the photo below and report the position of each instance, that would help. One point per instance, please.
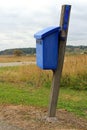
(11, 58)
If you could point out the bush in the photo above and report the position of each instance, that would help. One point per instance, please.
(17, 52)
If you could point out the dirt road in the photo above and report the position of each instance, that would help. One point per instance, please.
(16, 63)
(5, 126)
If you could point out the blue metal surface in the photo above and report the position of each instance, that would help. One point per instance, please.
(66, 17)
(47, 48)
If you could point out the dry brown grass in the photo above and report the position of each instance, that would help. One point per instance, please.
(7, 58)
(34, 76)
(30, 74)
(75, 64)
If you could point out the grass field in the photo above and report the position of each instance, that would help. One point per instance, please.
(29, 85)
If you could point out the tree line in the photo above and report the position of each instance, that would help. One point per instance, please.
(19, 51)
(31, 51)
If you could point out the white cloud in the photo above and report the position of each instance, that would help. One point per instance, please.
(20, 19)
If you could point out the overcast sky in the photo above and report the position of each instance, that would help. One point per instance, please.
(20, 19)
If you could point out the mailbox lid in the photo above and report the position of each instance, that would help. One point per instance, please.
(45, 32)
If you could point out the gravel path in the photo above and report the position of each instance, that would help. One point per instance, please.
(6, 126)
(16, 63)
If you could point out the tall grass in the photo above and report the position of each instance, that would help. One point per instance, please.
(74, 74)
(75, 64)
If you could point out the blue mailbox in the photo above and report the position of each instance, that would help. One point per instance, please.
(47, 48)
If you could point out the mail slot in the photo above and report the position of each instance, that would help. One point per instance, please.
(47, 47)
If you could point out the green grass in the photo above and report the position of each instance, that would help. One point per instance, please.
(73, 101)
(22, 94)
(70, 100)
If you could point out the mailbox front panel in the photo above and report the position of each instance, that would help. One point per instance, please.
(50, 51)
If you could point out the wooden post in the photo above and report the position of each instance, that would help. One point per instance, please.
(64, 23)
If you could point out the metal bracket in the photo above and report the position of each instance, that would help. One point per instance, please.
(62, 38)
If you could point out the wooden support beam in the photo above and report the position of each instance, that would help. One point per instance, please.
(64, 23)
